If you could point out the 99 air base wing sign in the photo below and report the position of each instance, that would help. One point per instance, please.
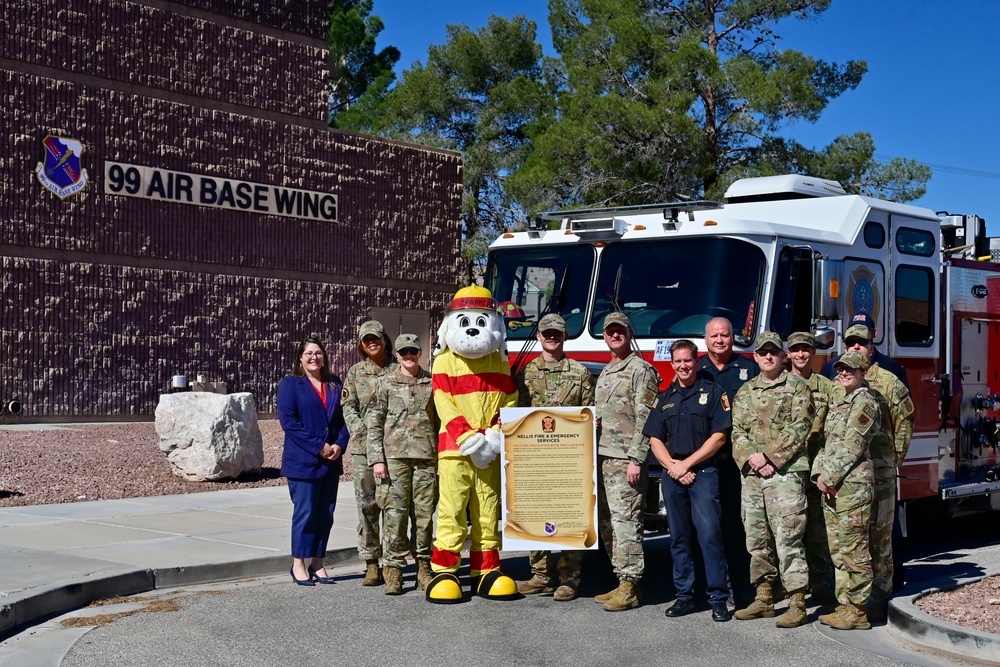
(130, 180)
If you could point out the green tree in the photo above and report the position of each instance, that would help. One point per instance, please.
(478, 94)
(850, 159)
(665, 98)
(358, 75)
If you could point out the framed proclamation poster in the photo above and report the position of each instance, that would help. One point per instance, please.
(549, 478)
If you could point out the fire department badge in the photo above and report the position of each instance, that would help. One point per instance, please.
(743, 374)
(703, 399)
(61, 172)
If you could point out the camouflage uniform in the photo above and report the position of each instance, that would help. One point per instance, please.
(624, 394)
(774, 418)
(888, 453)
(359, 387)
(560, 383)
(821, 579)
(844, 464)
(402, 433)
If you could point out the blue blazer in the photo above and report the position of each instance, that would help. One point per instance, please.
(308, 427)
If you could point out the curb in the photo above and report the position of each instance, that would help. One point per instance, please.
(22, 610)
(906, 619)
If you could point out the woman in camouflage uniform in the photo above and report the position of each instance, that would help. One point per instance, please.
(375, 351)
(843, 472)
(402, 450)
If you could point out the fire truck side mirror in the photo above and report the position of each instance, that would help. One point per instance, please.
(825, 337)
(827, 278)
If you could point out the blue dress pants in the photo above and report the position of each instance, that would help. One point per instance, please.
(313, 502)
(693, 513)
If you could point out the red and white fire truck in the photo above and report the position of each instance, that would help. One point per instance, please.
(787, 253)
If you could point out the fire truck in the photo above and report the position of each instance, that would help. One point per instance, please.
(786, 253)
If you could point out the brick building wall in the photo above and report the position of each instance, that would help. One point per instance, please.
(105, 297)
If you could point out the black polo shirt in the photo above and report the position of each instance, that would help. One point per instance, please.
(684, 418)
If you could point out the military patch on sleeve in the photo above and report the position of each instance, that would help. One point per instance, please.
(901, 392)
(725, 401)
(867, 417)
(655, 402)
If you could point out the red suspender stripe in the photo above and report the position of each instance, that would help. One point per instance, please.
(471, 384)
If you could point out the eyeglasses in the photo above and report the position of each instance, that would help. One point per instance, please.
(769, 352)
(409, 351)
(312, 354)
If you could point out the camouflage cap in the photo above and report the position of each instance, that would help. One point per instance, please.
(552, 321)
(371, 328)
(617, 318)
(853, 360)
(801, 338)
(768, 337)
(404, 341)
(858, 331)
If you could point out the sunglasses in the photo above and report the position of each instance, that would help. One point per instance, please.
(409, 351)
(769, 352)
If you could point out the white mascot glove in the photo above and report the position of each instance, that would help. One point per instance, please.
(494, 440)
(477, 448)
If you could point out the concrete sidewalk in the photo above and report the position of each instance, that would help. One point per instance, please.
(55, 558)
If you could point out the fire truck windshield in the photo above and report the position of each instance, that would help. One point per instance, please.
(669, 288)
(527, 282)
(672, 288)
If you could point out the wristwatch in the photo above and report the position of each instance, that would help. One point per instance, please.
(635, 460)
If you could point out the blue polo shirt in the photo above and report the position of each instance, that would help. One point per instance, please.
(685, 417)
(733, 374)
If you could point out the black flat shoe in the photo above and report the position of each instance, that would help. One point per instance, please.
(680, 608)
(300, 582)
(322, 580)
(720, 612)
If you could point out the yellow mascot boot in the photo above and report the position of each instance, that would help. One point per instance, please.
(495, 585)
(444, 588)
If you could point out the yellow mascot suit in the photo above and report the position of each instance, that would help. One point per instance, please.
(471, 383)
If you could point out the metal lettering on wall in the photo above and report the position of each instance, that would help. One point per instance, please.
(130, 180)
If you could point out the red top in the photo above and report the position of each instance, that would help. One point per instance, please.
(321, 390)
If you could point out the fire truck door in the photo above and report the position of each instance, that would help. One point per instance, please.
(865, 293)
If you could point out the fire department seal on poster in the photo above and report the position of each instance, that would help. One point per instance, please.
(549, 478)
(60, 171)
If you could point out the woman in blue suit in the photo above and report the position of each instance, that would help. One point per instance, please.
(315, 437)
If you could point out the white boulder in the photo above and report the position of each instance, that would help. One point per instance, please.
(208, 437)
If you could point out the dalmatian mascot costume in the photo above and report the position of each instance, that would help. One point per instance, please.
(471, 383)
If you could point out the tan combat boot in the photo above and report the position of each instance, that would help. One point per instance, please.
(372, 576)
(565, 593)
(393, 580)
(826, 619)
(626, 597)
(796, 614)
(604, 597)
(538, 584)
(424, 574)
(850, 617)
(761, 607)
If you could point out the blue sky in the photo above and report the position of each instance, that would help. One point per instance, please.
(931, 92)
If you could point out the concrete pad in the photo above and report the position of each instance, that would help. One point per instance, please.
(276, 512)
(94, 509)
(219, 499)
(25, 570)
(271, 539)
(170, 552)
(198, 522)
(68, 535)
